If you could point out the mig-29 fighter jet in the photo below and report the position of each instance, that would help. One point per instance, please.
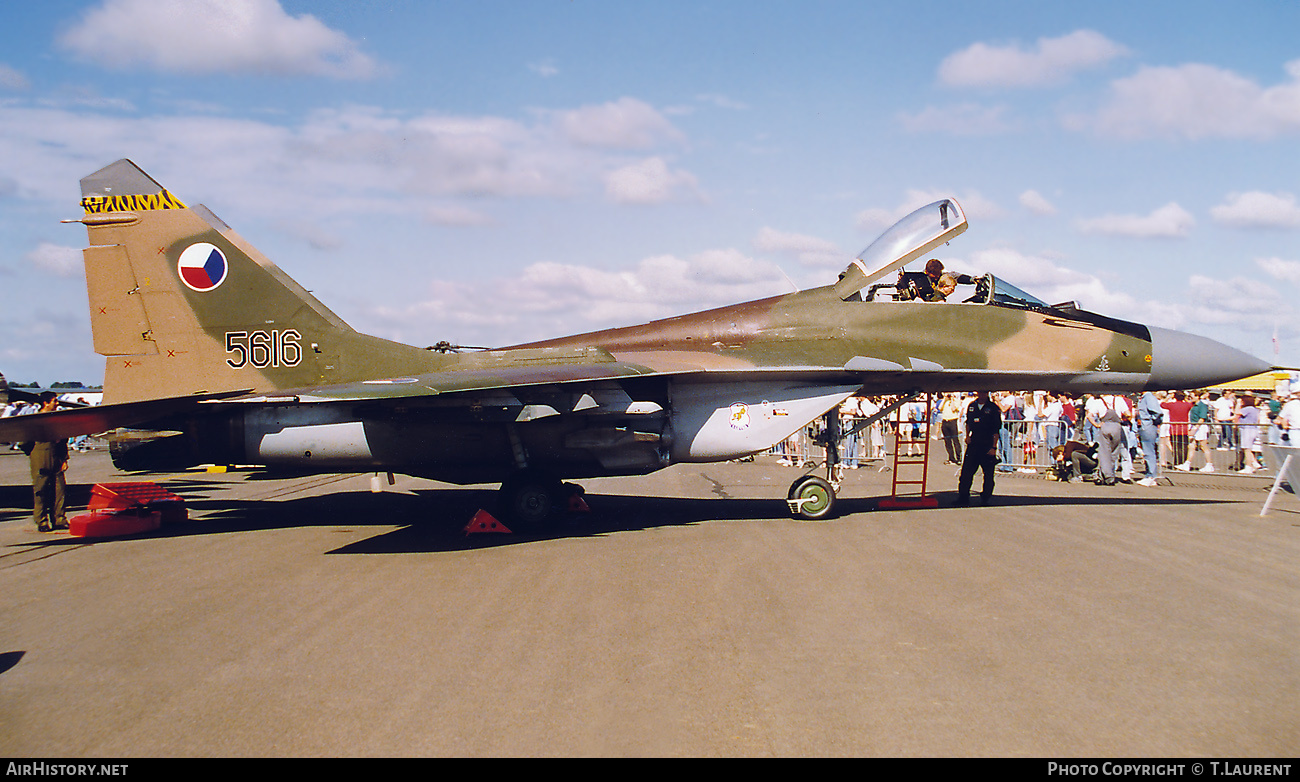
(229, 361)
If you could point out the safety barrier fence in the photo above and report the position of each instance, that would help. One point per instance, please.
(1229, 448)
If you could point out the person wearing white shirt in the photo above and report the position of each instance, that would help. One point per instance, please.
(1224, 407)
(875, 432)
(1053, 429)
(1288, 420)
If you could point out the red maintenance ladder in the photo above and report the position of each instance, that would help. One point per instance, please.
(906, 467)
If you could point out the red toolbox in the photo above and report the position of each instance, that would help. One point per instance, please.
(127, 509)
(149, 496)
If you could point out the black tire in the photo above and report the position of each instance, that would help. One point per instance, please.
(528, 499)
(818, 498)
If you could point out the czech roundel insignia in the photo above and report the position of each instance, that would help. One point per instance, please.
(202, 267)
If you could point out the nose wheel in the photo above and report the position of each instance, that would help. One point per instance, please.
(811, 498)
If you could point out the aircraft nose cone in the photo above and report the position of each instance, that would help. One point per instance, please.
(1181, 360)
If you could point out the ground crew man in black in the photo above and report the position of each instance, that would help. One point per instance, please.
(49, 462)
(983, 422)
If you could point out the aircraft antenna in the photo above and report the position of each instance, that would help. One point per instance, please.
(787, 279)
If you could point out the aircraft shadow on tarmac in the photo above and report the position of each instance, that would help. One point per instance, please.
(433, 520)
(16, 501)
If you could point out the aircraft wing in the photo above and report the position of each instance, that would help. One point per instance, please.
(487, 378)
(873, 376)
(62, 424)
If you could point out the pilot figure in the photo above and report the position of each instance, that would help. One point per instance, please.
(983, 422)
(930, 285)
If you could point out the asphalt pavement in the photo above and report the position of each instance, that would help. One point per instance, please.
(687, 615)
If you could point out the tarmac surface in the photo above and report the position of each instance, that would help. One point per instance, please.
(686, 616)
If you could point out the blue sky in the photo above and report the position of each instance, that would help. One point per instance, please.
(490, 173)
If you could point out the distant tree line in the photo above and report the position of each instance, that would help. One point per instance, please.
(60, 384)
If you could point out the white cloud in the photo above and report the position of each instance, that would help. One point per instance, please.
(456, 216)
(1253, 306)
(1051, 61)
(353, 159)
(56, 259)
(545, 68)
(1038, 275)
(649, 181)
(1237, 301)
(215, 36)
(1054, 283)
(722, 102)
(626, 123)
(1214, 307)
(966, 119)
(1256, 209)
(1035, 202)
(38, 341)
(1202, 304)
(1278, 269)
(312, 233)
(551, 299)
(1170, 221)
(12, 79)
(808, 250)
(657, 286)
(1195, 101)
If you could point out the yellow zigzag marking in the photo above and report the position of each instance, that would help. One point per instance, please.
(131, 203)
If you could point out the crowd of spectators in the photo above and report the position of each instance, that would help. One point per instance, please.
(1194, 430)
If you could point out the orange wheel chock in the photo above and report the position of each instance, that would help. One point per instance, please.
(485, 522)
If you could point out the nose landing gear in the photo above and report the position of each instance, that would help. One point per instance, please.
(811, 498)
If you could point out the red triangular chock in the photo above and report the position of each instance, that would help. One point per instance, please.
(577, 504)
(485, 522)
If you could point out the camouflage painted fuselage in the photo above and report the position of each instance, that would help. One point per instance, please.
(182, 305)
(956, 346)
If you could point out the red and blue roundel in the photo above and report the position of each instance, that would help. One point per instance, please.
(202, 267)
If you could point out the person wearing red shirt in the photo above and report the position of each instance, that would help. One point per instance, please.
(1178, 408)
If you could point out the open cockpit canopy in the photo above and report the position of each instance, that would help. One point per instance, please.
(915, 235)
(907, 240)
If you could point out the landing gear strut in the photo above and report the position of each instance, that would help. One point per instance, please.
(813, 498)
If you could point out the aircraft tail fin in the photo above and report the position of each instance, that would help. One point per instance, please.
(181, 304)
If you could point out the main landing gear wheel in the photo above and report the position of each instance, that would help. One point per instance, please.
(527, 498)
(811, 498)
(530, 498)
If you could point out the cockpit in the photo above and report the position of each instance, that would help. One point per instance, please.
(878, 273)
(988, 290)
(907, 240)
